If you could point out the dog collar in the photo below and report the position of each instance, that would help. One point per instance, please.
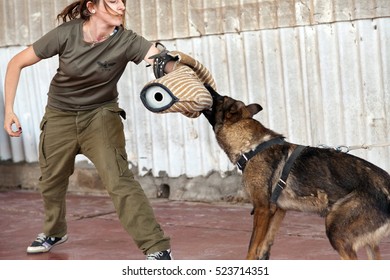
(241, 163)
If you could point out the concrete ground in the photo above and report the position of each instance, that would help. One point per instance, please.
(199, 231)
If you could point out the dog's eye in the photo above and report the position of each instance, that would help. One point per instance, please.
(157, 98)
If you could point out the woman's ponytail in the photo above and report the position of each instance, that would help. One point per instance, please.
(77, 9)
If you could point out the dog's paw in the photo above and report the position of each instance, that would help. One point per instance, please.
(265, 256)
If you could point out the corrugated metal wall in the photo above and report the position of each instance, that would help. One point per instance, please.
(182, 19)
(321, 72)
(24, 21)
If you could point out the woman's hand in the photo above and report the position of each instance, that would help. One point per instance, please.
(12, 125)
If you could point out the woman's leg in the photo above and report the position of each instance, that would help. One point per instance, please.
(57, 150)
(102, 141)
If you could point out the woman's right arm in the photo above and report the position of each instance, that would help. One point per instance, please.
(23, 59)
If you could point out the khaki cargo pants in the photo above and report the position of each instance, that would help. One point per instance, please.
(99, 135)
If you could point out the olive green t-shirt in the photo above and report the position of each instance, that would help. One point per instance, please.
(87, 76)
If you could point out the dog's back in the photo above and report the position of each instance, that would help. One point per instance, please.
(344, 174)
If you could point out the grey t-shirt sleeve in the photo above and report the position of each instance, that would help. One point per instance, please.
(137, 48)
(48, 45)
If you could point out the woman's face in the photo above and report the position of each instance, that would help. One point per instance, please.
(111, 11)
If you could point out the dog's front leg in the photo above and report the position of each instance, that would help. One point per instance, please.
(261, 220)
(266, 224)
(273, 227)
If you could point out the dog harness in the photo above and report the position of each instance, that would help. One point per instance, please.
(286, 170)
(242, 161)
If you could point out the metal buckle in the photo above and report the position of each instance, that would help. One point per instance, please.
(281, 184)
(242, 165)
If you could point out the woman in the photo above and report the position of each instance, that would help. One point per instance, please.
(82, 116)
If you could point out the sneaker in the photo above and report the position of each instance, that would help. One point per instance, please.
(162, 255)
(44, 243)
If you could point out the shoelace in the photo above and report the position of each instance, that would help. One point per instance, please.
(154, 256)
(41, 237)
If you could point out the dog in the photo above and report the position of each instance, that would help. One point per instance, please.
(353, 195)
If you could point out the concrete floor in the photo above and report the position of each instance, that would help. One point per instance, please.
(199, 231)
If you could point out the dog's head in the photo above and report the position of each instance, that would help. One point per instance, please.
(226, 110)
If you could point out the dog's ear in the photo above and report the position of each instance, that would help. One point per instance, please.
(236, 107)
(254, 108)
(235, 112)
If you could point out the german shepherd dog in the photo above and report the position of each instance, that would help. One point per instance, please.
(352, 194)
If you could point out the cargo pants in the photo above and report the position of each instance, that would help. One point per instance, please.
(99, 135)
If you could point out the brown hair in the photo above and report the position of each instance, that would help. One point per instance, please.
(78, 9)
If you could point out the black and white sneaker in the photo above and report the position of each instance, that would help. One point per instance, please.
(44, 243)
(162, 255)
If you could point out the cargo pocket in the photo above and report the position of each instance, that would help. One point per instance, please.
(121, 159)
(42, 136)
(113, 126)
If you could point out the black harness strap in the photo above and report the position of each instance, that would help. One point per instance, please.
(160, 60)
(286, 170)
(241, 163)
